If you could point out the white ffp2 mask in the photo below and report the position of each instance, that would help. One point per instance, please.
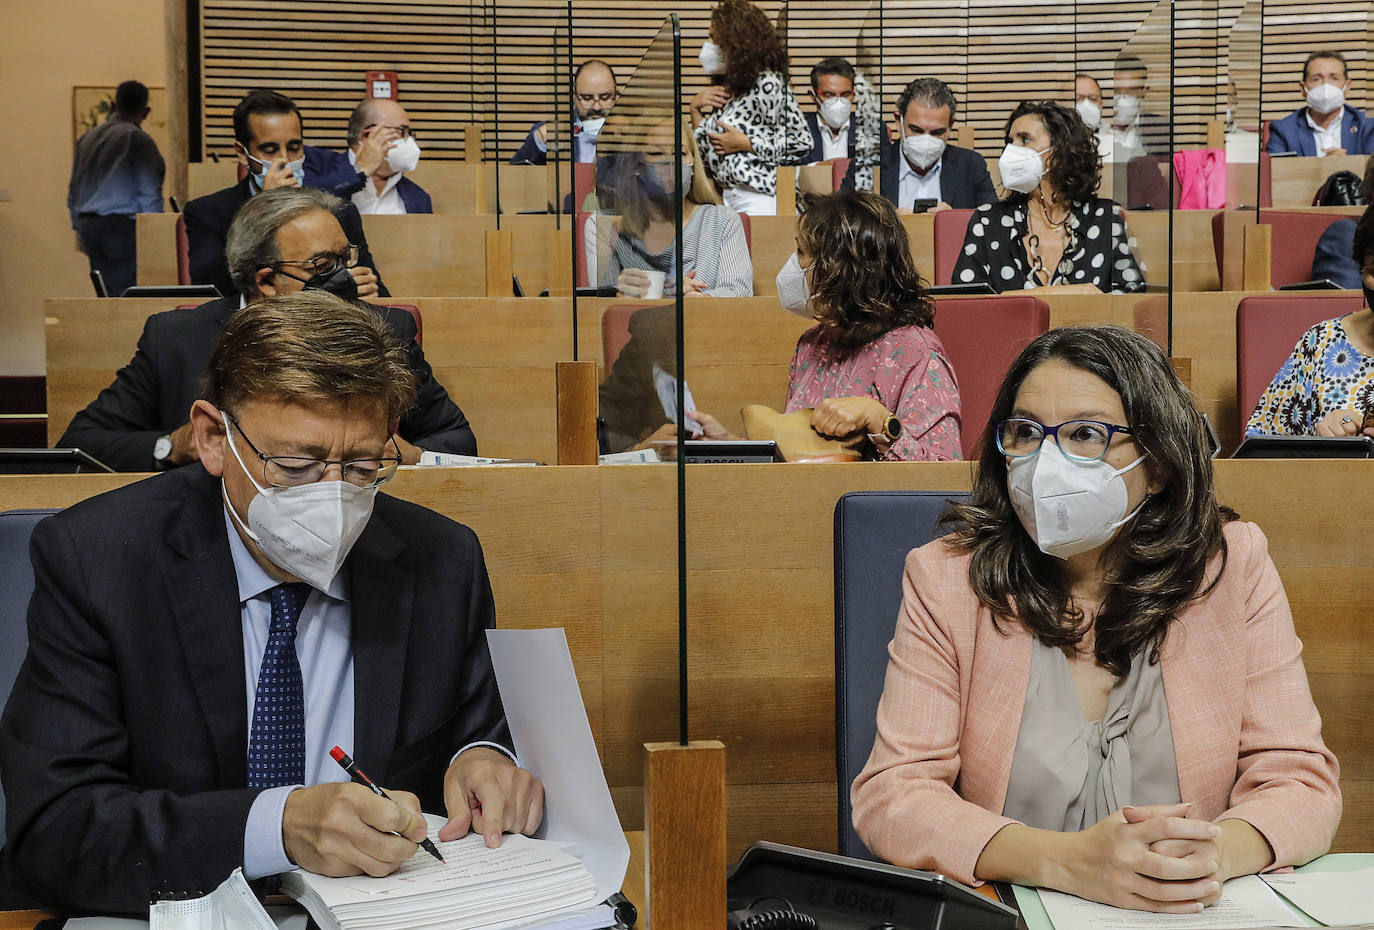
(712, 61)
(1066, 505)
(307, 530)
(1091, 113)
(1021, 168)
(835, 111)
(794, 293)
(1125, 108)
(404, 155)
(1325, 98)
(923, 150)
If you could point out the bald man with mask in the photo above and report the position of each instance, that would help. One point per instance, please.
(387, 189)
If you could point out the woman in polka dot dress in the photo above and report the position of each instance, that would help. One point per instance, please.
(1060, 234)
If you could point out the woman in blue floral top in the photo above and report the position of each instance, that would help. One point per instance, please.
(1327, 385)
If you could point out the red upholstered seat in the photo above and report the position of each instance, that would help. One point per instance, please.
(838, 169)
(1150, 318)
(584, 183)
(580, 248)
(1268, 326)
(1294, 239)
(950, 228)
(183, 252)
(982, 337)
(414, 312)
(615, 332)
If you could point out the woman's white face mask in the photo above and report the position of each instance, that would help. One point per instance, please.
(794, 291)
(1021, 167)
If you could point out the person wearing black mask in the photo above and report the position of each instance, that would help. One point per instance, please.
(282, 241)
(1326, 387)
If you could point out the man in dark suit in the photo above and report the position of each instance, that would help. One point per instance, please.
(833, 131)
(281, 242)
(201, 639)
(268, 141)
(388, 190)
(1327, 125)
(594, 96)
(921, 165)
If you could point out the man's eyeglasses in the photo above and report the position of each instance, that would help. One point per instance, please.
(405, 131)
(325, 263)
(289, 471)
(1085, 440)
(588, 99)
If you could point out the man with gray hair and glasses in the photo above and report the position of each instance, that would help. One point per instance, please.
(201, 640)
(921, 172)
(281, 242)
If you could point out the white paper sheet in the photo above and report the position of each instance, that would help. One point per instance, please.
(1334, 898)
(554, 742)
(1245, 903)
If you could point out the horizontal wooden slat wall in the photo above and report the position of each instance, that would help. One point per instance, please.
(503, 63)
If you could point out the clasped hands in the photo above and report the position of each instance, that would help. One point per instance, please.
(1152, 858)
(342, 828)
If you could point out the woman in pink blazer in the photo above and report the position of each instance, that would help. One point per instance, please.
(1094, 685)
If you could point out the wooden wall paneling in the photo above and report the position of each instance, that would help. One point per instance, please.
(1295, 181)
(430, 254)
(155, 235)
(454, 187)
(206, 177)
(761, 599)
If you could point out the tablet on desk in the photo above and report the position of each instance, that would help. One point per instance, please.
(172, 290)
(721, 452)
(1306, 447)
(49, 462)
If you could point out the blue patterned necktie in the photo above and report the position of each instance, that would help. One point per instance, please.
(276, 743)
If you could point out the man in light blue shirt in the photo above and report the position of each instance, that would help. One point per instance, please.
(200, 641)
(117, 173)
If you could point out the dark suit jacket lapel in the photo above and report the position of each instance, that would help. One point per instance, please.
(382, 595)
(890, 178)
(202, 592)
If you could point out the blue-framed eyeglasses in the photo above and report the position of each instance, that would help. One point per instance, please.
(1085, 440)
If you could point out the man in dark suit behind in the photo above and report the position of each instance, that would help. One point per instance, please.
(833, 128)
(1327, 125)
(388, 190)
(921, 164)
(268, 142)
(281, 242)
(199, 641)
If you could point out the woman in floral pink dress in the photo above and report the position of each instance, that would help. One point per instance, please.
(872, 363)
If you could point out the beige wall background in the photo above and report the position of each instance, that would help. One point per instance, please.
(45, 49)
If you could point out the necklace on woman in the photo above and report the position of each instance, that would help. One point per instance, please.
(1062, 225)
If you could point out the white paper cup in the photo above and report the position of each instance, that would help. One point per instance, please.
(655, 290)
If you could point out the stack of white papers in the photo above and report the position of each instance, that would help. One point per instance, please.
(1334, 898)
(512, 885)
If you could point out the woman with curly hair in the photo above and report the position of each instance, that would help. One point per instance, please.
(872, 364)
(1094, 684)
(1051, 230)
(747, 122)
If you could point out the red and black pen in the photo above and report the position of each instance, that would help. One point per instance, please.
(361, 778)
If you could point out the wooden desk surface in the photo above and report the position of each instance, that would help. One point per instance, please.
(594, 550)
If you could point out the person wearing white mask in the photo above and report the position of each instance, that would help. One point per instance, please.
(872, 367)
(294, 608)
(634, 233)
(594, 96)
(269, 140)
(1095, 686)
(921, 165)
(388, 190)
(1327, 125)
(1051, 230)
(1088, 103)
(832, 124)
(746, 122)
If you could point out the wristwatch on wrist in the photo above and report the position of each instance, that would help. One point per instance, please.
(892, 428)
(162, 452)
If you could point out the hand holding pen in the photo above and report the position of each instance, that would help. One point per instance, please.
(359, 776)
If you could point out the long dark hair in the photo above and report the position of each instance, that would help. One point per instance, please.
(863, 280)
(1075, 168)
(749, 43)
(1158, 561)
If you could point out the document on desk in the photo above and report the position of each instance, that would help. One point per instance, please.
(1245, 903)
(1334, 898)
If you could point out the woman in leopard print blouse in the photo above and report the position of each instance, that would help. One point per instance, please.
(748, 123)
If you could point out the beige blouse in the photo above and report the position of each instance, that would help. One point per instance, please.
(1067, 774)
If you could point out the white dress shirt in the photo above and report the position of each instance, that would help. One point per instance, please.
(912, 186)
(368, 201)
(833, 145)
(1328, 138)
